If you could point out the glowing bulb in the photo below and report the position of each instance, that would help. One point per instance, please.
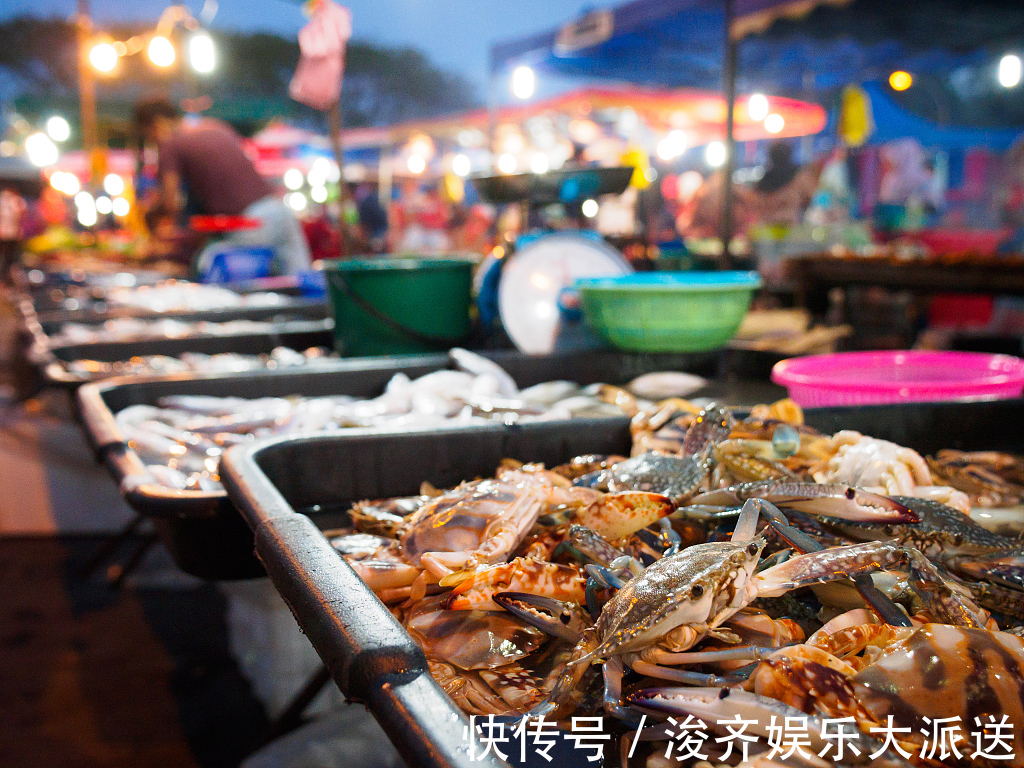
(774, 123)
(293, 178)
(113, 184)
(296, 201)
(104, 205)
(319, 172)
(121, 207)
(40, 150)
(319, 194)
(715, 154)
(589, 208)
(103, 57)
(672, 145)
(201, 53)
(900, 80)
(161, 51)
(86, 209)
(539, 163)
(65, 182)
(58, 128)
(1009, 70)
(524, 81)
(757, 107)
(416, 164)
(461, 165)
(507, 163)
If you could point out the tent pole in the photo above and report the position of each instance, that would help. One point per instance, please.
(334, 123)
(729, 76)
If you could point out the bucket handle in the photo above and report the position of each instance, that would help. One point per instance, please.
(439, 342)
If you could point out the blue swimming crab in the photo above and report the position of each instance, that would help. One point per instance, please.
(662, 612)
(991, 564)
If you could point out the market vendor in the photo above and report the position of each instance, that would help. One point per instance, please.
(205, 159)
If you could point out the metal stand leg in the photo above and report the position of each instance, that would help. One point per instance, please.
(118, 573)
(109, 547)
(291, 718)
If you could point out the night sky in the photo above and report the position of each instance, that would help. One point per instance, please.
(455, 34)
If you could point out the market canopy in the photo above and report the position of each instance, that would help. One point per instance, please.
(701, 114)
(892, 122)
(681, 42)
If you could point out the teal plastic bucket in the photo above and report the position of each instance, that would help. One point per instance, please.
(401, 306)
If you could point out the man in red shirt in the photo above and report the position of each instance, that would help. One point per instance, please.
(205, 158)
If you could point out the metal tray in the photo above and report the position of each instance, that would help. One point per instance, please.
(291, 310)
(362, 377)
(368, 653)
(295, 335)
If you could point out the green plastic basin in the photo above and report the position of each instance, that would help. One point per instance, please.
(668, 311)
(400, 306)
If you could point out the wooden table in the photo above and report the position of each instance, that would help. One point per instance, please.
(814, 275)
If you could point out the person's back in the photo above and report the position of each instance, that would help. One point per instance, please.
(209, 158)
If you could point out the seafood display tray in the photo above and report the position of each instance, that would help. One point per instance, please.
(370, 656)
(296, 308)
(306, 327)
(204, 533)
(298, 335)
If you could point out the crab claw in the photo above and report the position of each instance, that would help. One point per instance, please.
(556, 617)
(1002, 568)
(831, 500)
(474, 589)
(617, 515)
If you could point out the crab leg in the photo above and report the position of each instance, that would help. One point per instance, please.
(886, 608)
(842, 501)
(578, 664)
(862, 559)
(617, 515)
(475, 588)
(744, 652)
(612, 672)
(642, 667)
(385, 574)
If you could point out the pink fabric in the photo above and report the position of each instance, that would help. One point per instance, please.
(317, 80)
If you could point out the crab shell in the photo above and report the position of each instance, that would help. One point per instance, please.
(700, 587)
(944, 671)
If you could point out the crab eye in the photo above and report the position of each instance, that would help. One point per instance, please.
(752, 549)
(696, 591)
(564, 617)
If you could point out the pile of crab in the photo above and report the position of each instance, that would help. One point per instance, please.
(750, 569)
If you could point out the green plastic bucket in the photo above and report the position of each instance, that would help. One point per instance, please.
(401, 306)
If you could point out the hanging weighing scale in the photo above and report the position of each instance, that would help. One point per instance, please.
(530, 288)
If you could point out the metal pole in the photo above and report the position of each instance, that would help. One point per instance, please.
(86, 81)
(729, 75)
(334, 127)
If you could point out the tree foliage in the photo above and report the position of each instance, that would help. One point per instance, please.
(381, 86)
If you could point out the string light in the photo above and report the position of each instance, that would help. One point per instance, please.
(161, 51)
(524, 82)
(1009, 70)
(900, 80)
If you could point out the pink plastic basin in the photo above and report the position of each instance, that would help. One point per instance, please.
(859, 378)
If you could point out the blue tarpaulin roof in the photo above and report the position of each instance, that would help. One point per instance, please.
(892, 122)
(681, 43)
